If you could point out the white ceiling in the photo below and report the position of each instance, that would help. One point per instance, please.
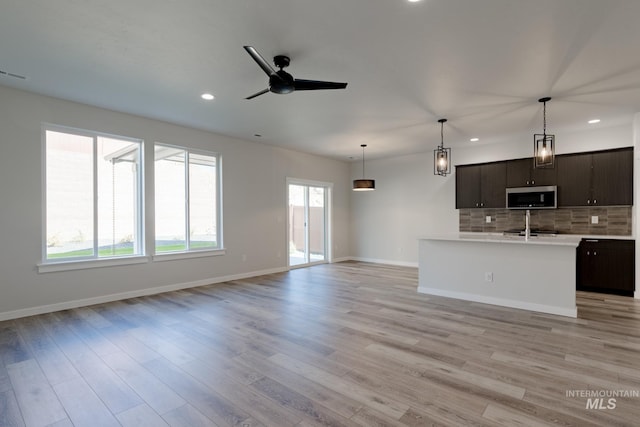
(482, 64)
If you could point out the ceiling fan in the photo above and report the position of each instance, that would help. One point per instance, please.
(282, 82)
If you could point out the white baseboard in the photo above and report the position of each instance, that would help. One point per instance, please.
(33, 311)
(549, 309)
(386, 261)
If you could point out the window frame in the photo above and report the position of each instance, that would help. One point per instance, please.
(73, 263)
(219, 249)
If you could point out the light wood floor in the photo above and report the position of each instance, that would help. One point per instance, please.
(348, 344)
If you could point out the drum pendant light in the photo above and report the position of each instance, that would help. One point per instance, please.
(544, 144)
(363, 184)
(442, 155)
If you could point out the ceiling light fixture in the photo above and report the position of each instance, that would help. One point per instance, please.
(363, 184)
(207, 97)
(594, 121)
(474, 139)
(442, 155)
(543, 144)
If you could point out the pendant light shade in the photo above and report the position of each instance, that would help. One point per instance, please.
(363, 184)
(442, 155)
(543, 144)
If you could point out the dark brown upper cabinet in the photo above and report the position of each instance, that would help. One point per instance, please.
(522, 173)
(481, 185)
(574, 179)
(600, 178)
(612, 178)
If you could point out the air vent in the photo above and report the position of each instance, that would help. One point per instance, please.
(8, 74)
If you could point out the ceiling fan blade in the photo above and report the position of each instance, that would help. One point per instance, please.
(262, 92)
(266, 67)
(300, 84)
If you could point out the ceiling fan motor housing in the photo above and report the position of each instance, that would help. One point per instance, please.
(281, 83)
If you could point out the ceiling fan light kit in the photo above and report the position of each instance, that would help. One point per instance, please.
(363, 184)
(281, 82)
(544, 144)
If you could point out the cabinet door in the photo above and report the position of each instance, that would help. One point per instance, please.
(518, 172)
(584, 266)
(467, 186)
(606, 266)
(594, 265)
(612, 178)
(493, 181)
(574, 179)
(543, 176)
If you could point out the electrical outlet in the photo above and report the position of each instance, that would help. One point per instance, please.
(594, 219)
(488, 276)
(488, 219)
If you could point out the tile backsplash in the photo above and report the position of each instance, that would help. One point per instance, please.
(614, 220)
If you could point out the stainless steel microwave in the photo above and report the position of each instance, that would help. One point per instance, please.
(543, 197)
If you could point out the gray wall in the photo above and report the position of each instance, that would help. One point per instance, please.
(254, 190)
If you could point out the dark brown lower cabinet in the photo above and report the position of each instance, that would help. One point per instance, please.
(606, 265)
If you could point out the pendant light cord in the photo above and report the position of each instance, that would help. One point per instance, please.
(544, 115)
(544, 120)
(442, 122)
(363, 145)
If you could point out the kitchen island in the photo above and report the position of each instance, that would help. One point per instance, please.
(537, 274)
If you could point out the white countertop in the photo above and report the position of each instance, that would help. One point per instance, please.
(558, 240)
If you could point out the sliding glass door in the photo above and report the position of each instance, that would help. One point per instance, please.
(307, 223)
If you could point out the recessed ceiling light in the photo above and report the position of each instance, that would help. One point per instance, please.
(413, 1)
(474, 139)
(594, 121)
(207, 96)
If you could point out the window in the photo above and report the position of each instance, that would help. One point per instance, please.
(93, 195)
(187, 200)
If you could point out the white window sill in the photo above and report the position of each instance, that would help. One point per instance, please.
(51, 267)
(172, 256)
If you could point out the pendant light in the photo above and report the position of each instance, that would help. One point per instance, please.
(543, 144)
(442, 155)
(363, 184)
